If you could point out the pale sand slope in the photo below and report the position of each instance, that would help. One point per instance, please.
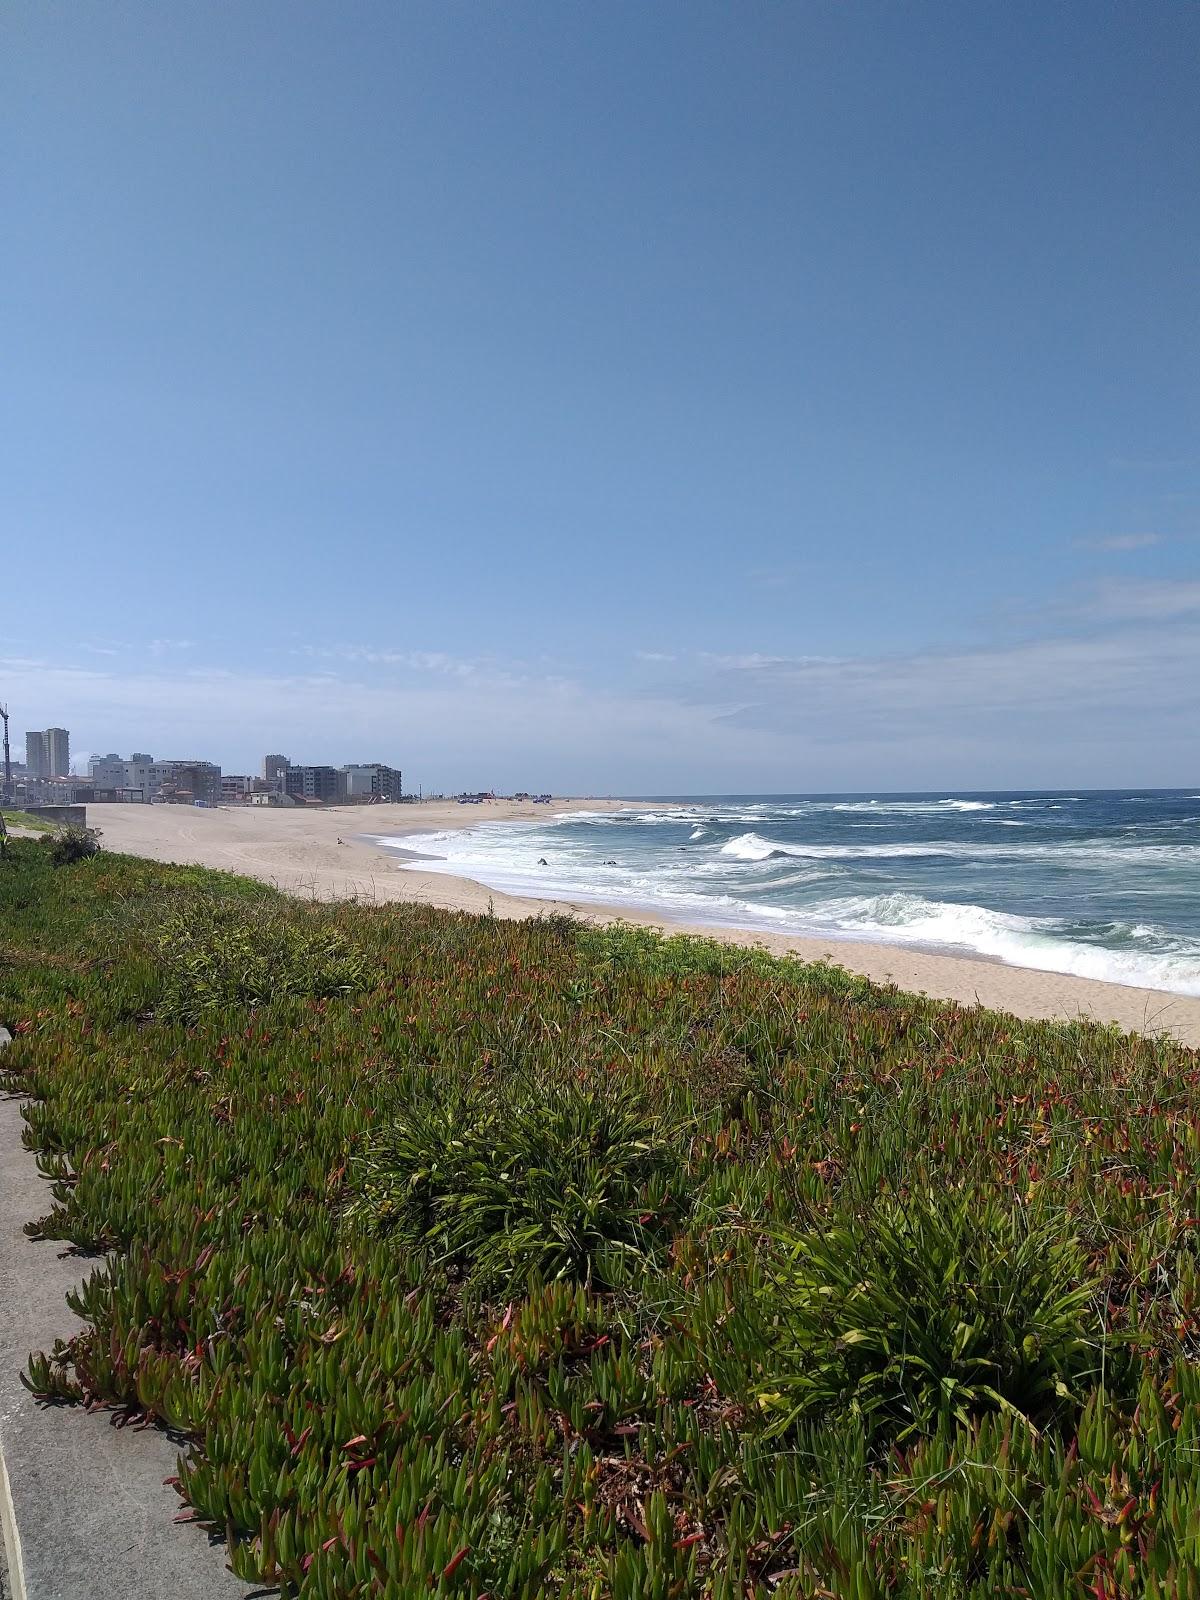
(298, 851)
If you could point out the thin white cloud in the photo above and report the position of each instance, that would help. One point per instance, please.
(754, 661)
(1109, 693)
(1052, 692)
(1119, 542)
(548, 730)
(437, 663)
(1148, 600)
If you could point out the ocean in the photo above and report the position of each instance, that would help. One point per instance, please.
(1102, 884)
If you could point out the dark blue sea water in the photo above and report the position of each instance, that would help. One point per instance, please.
(1104, 884)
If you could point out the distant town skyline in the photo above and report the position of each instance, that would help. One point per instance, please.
(610, 399)
(47, 777)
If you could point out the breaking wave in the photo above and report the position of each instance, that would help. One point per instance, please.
(1138, 954)
(1105, 886)
(1095, 852)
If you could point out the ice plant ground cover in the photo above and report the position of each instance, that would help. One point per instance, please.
(473, 1257)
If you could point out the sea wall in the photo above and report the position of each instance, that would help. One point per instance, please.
(72, 816)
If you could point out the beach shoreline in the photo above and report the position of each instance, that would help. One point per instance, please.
(325, 853)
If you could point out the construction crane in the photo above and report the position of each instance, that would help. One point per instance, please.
(7, 795)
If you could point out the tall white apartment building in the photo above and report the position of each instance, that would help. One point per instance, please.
(58, 752)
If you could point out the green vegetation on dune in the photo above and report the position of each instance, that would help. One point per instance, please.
(26, 819)
(477, 1257)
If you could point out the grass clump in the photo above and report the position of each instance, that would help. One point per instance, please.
(220, 953)
(525, 1180)
(932, 1309)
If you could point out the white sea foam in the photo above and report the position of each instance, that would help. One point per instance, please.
(749, 847)
(880, 808)
(770, 875)
(1040, 942)
(512, 845)
(753, 847)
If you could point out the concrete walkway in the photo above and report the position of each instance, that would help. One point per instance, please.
(92, 1515)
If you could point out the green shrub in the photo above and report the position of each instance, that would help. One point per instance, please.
(68, 845)
(219, 953)
(559, 927)
(625, 949)
(942, 1306)
(557, 1180)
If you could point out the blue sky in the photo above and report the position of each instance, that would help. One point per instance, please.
(643, 397)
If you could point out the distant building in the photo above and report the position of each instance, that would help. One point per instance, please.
(313, 783)
(188, 782)
(36, 755)
(48, 753)
(372, 780)
(66, 792)
(271, 797)
(108, 772)
(58, 752)
(140, 755)
(141, 780)
(138, 779)
(235, 788)
(273, 768)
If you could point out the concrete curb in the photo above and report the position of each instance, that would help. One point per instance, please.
(88, 1509)
(12, 1570)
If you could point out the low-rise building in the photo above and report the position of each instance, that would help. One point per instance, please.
(67, 791)
(372, 780)
(142, 780)
(189, 782)
(108, 772)
(313, 783)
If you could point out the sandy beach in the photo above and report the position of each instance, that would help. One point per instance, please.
(324, 853)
